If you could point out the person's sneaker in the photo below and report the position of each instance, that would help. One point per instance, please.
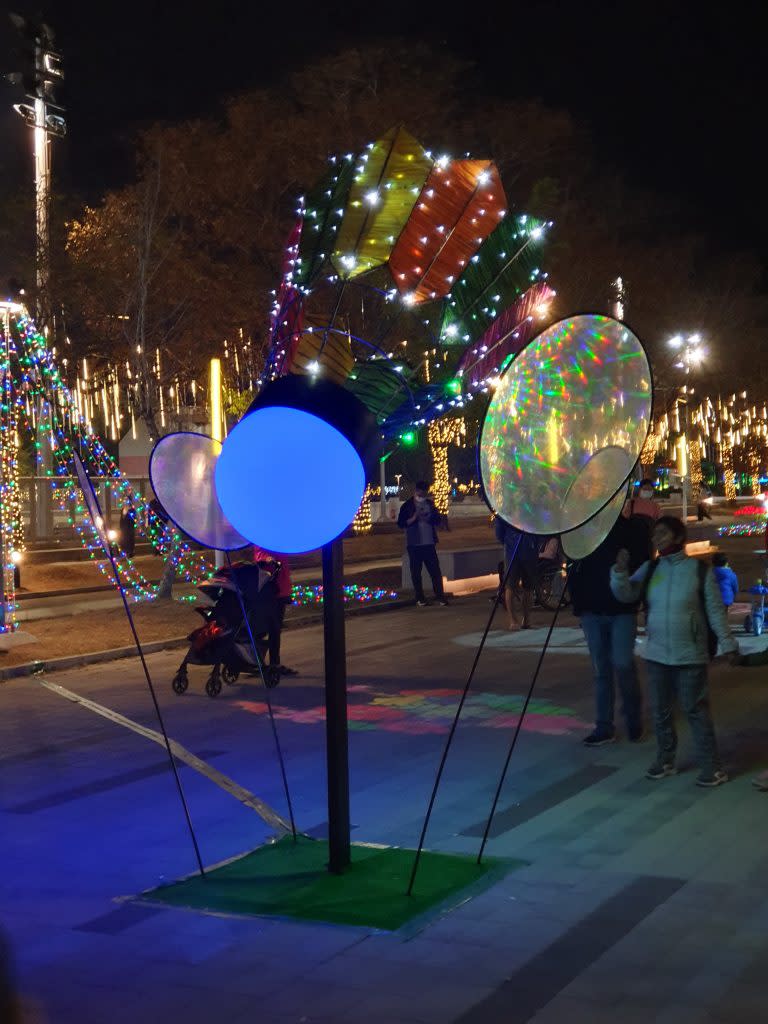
(711, 779)
(660, 770)
(599, 739)
(422, 604)
(442, 601)
(761, 782)
(285, 671)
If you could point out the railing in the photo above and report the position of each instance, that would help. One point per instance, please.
(43, 518)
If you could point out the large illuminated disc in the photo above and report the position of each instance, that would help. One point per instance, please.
(287, 480)
(91, 503)
(181, 471)
(566, 424)
(590, 535)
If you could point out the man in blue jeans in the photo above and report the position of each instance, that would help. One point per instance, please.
(610, 628)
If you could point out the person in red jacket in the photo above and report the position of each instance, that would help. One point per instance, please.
(284, 594)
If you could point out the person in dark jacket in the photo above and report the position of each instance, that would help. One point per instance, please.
(127, 531)
(610, 628)
(420, 520)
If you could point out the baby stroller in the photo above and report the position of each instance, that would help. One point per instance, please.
(224, 641)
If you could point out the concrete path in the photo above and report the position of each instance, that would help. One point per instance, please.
(641, 901)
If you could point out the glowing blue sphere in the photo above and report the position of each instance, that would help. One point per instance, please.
(287, 480)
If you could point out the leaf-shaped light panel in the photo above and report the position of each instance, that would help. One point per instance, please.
(287, 313)
(382, 385)
(320, 351)
(388, 180)
(505, 267)
(460, 204)
(323, 211)
(508, 334)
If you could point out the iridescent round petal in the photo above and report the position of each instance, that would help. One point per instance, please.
(589, 536)
(566, 424)
(91, 502)
(181, 471)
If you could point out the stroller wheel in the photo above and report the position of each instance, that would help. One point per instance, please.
(213, 685)
(229, 675)
(180, 681)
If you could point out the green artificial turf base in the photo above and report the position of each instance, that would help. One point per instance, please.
(291, 879)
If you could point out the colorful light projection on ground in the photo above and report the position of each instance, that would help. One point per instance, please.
(566, 424)
(418, 712)
(288, 480)
(181, 470)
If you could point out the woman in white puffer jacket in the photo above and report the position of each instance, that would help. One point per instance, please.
(681, 603)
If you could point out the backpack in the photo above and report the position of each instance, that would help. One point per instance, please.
(702, 571)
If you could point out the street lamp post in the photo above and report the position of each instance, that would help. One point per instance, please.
(691, 353)
(42, 74)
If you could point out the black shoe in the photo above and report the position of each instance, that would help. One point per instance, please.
(285, 671)
(422, 604)
(442, 601)
(599, 739)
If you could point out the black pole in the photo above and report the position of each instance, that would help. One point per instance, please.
(456, 718)
(150, 684)
(519, 726)
(336, 738)
(270, 709)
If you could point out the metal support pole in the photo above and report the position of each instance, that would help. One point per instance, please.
(336, 737)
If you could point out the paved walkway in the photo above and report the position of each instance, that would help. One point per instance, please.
(641, 901)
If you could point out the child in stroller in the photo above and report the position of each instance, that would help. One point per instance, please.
(224, 640)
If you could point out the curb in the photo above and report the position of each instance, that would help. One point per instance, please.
(33, 668)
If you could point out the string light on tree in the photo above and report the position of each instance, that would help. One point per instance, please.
(694, 468)
(363, 521)
(648, 454)
(728, 476)
(36, 380)
(441, 434)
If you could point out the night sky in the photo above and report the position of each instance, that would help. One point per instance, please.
(672, 97)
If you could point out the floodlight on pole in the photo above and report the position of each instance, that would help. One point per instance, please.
(42, 73)
(692, 354)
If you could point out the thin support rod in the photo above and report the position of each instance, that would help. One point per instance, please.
(456, 717)
(519, 725)
(171, 758)
(260, 664)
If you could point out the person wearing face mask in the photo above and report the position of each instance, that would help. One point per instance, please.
(644, 504)
(420, 520)
(683, 607)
